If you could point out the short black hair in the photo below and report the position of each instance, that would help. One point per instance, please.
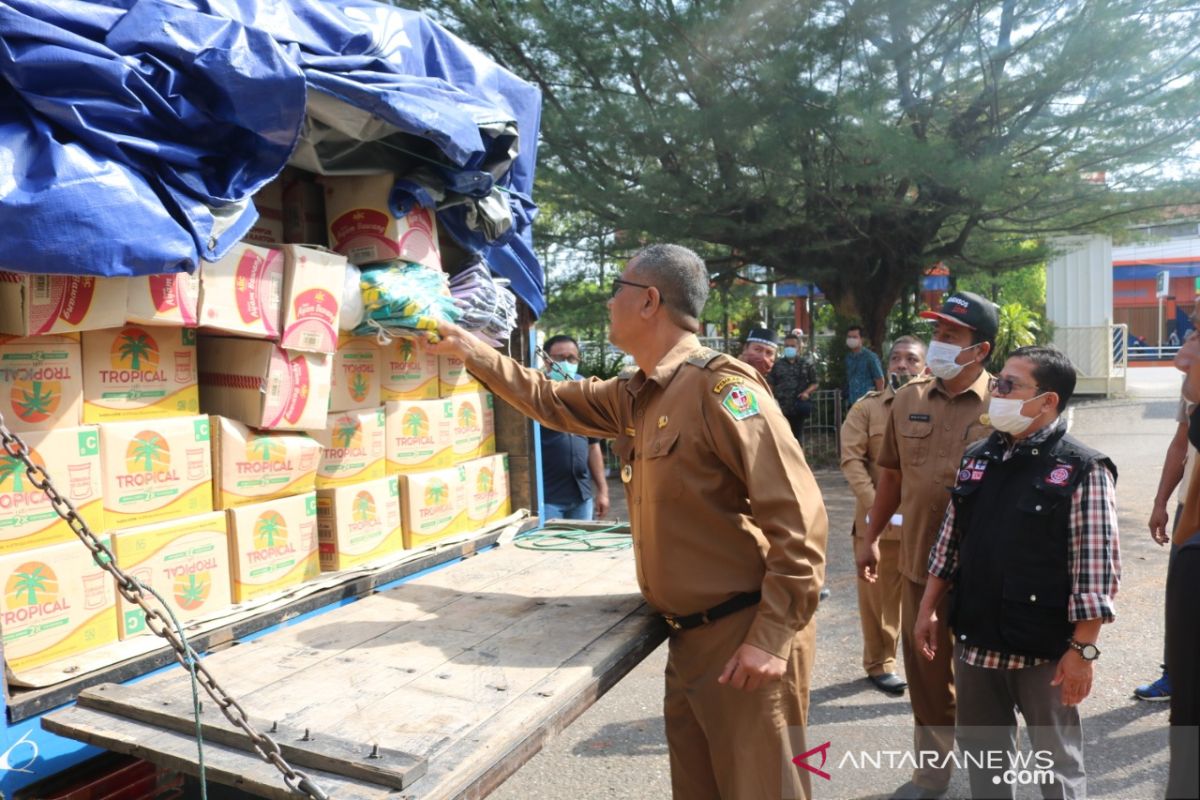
(791, 336)
(559, 339)
(1052, 370)
(855, 328)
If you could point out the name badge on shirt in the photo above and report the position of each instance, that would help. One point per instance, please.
(919, 417)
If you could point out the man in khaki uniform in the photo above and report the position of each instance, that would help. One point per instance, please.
(931, 423)
(862, 438)
(734, 562)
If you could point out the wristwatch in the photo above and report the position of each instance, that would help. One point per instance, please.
(1088, 652)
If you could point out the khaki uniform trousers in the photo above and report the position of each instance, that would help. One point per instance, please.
(930, 690)
(879, 610)
(730, 744)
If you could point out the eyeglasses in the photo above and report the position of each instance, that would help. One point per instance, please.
(618, 283)
(1005, 386)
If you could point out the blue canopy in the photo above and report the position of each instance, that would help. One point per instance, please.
(133, 132)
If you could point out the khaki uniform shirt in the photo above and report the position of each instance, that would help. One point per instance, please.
(862, 438)
(721, 500)
(927, 432)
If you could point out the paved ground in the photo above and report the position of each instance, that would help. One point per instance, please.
(617, 749)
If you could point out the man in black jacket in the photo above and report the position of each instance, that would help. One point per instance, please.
(1029, 551)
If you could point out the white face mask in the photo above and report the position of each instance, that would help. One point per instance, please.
(942, 359)
(853, 342)
(1005, 415)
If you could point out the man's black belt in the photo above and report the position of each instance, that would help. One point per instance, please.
(735, 603)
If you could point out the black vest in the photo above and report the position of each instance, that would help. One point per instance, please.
(1013, 519)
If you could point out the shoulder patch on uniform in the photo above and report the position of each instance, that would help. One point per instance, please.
(727, 380)
(740, 401)
(702, 357)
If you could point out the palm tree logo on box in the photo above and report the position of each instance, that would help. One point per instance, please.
(31, 596)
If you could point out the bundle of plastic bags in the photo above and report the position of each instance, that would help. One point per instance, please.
(488, 308)
(401, 299)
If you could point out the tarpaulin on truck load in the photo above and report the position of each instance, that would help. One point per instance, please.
(133, 132)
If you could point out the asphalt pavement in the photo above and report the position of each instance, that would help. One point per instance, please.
(617, 749)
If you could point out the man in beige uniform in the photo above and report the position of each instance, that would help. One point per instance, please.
(733, 562)
(932, 421)
(862, 438)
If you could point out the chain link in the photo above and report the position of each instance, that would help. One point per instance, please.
(266, 747)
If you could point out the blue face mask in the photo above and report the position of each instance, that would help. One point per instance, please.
(789, 352)
(560, 367)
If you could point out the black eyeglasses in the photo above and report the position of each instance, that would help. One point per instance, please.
(618, 283)
(1004, 386)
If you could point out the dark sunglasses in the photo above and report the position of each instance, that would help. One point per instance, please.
(1004, 386)
(618, 283)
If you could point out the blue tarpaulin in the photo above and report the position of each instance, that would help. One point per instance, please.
(133, 132)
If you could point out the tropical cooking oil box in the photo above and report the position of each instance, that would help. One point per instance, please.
(312, 298)
(420, 435)
(172, 300)
(139, 372)
(273, 545)
(240, 294)
(41, 382)
(155, 470)
(474, 425)
(353, 448)
(56, 603)
(34, 305)
(261, 384)
(362, 227)
(186, 561)
(433, 504)
(71, 457)
(487, 490)
(356, 372)
(359, 523)
(409, 371)
(250, 467)
(453, 377)
(268, 228)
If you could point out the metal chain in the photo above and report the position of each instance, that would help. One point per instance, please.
(264, 745)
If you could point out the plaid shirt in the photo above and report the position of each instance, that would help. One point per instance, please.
(1093, 551)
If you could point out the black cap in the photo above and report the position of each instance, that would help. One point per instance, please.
(762, 336)
(971, 311)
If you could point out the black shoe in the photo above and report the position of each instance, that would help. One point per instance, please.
(823, 595)
(889, 682)
(910, 791)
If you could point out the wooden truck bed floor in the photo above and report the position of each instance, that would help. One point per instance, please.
(458, 677)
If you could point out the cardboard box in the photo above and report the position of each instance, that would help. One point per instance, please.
(304, 209)
(453, 377)
(41, 382)
(139, 372)
(362, 228)
(356, 372)
(34, 305)
(241, 292)
(487, 488)
(420, 435)
(261, 384)
(433, 505)
(273, 545)
(155, 470)
(268, 228)
(56, 603)
(410, 371)
(71, 457)
(359, 523)
(186, 561)
(250, 467)
(312, 298)
(474, 425)
(353, 448)
(172, 300)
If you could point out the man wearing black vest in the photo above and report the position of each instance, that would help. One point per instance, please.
(1029, 552)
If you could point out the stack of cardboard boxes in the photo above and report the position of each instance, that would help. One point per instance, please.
(220, 434)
